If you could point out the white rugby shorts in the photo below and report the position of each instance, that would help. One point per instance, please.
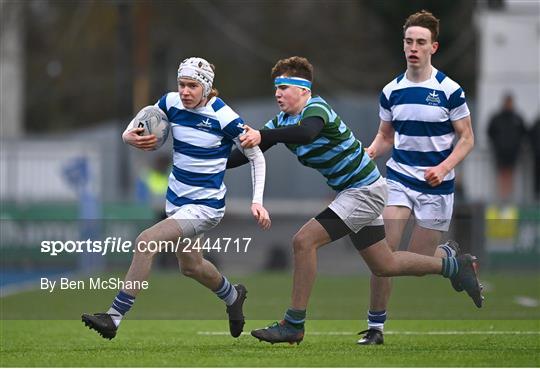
(431, 211)
(361, 206)
(194, 219)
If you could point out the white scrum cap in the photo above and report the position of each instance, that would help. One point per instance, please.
(199, 70)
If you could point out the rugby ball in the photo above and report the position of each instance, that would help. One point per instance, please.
(154, 121)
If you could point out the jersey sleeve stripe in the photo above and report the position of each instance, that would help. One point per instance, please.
(460, 112)
(234, 128)
(456, 99)
(317, 110)
(385, 114)
(440, 76)
(162, 104)
(271, 124)
(172, 99)
(218, 104)
(384, 102)
(226, 115)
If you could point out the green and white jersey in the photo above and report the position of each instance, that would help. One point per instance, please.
(335, 152)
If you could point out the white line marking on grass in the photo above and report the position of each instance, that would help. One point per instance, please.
(443, 333)
(526, 301)
(405, 333)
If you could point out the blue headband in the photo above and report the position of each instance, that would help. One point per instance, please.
(293, 81)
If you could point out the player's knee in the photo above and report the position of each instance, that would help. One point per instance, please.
(301, 242)
(393, 245)
(377, 271)
(189, 272)
(383, 269)
(144, 245)
(382, 272)
(190, 269)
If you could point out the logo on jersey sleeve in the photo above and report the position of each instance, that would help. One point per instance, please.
(433, 98)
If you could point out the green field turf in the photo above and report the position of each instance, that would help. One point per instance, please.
(179, 323)
(330, 344)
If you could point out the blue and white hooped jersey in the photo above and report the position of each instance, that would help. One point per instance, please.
(422, 115)
(203, 139)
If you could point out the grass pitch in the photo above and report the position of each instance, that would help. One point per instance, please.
(174, 324)
(327, 344)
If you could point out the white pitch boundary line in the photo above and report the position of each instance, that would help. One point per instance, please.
(405, 333)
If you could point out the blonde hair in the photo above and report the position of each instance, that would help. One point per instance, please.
(213, 93)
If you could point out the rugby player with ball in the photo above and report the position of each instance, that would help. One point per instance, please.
(204, 128)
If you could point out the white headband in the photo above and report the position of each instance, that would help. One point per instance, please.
(199, 70)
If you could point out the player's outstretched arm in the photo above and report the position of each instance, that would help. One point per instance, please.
(383, 141)
(262, 216)
(258, 177)
(237, 157)
(463, 128)
(303, 133)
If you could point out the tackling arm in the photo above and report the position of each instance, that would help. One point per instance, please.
(301, 134)
(238, 158)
